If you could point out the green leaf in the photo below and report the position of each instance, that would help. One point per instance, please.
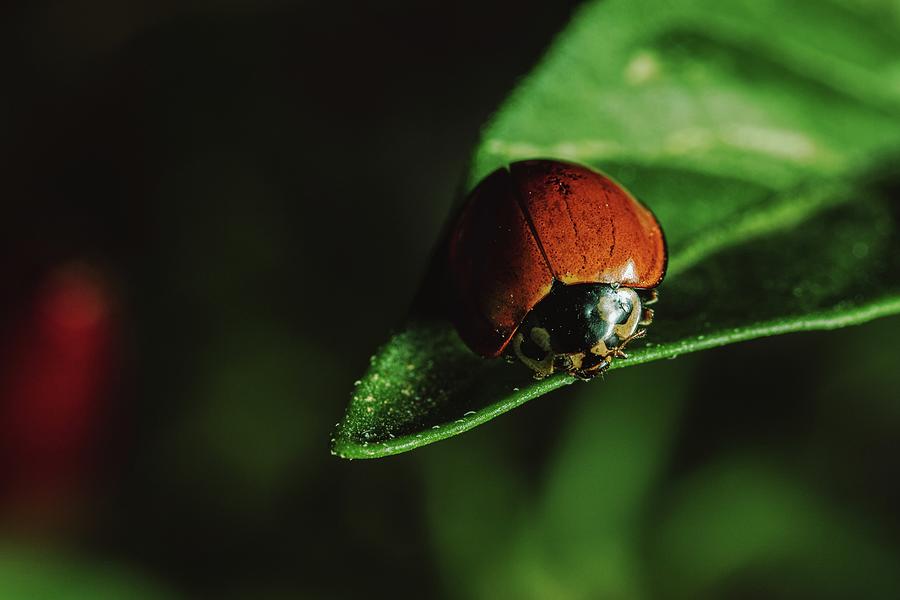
(30, 572)
(748, 517)
(757, 132)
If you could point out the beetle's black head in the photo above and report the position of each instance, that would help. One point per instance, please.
(579, 328)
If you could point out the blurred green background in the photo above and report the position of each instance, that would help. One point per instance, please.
(225, 208)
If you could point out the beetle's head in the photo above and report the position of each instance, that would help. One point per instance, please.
(580, 329)
(614, 317)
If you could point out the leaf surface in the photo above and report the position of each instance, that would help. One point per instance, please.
(759, 132)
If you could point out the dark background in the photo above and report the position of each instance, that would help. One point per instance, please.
(250, 191)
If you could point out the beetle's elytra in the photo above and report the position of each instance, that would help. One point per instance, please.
(554, 263)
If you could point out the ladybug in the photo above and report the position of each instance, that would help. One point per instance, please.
(554, 263)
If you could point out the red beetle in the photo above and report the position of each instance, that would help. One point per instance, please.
(556, 262)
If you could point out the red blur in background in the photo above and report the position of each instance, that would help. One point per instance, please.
(58, 367)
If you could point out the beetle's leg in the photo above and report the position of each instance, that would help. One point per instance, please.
(565, 362)
(583, 374)
(619, 351)
(647, 313)
(592, 371)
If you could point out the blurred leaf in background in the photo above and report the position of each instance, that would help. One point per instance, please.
(31, 573)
